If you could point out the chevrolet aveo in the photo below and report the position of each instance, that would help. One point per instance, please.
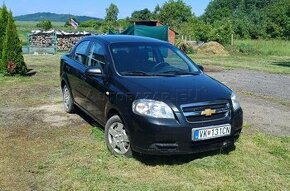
(150, 97)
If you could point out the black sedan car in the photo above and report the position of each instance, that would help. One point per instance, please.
(150, 97)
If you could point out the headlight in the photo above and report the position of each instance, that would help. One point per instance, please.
(235, 102)
(152, 108)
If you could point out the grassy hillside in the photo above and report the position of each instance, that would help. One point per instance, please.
(52, 17)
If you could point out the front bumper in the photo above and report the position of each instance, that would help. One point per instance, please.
(171, 137)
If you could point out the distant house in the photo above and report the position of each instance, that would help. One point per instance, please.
(155, 23)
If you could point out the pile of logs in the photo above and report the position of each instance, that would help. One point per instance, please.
(67, 42)
(43, 40)
(55, 39)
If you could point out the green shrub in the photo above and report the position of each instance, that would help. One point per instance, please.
(184, 46)
(45, 25)
(89, 23)
(3, 20)
(12, 58)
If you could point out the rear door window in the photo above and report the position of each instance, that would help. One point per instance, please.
(80, 54)
(96, 56)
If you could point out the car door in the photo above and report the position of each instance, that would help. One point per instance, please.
(76, 72)
(96, 85)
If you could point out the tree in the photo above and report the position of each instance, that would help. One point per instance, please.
(252, 18)
(111, 18)
(142, 15)
(12, 59)
(3, 20)
(174, 13)
(45, 25)
(124, 23)
(112, 13)
(156, 12)
(277, 19)
(221, 9)
(221, 32)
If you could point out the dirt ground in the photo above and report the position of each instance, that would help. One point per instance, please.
(264, 97)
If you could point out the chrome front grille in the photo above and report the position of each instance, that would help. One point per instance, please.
(206, 111)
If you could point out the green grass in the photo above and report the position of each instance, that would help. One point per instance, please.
(271, 64)
(43, 157)
(39, 88)
(260, 162)
(264, 47)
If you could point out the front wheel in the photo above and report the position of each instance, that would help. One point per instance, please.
(67, 100)
(117, 138)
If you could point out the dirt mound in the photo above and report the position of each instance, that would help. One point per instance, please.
(212, 48)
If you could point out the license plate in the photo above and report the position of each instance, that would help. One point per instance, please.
(211, 132)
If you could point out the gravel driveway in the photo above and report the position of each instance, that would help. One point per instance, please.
(264, 97)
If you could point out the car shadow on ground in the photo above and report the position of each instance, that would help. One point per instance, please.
(153, 160)
(87, 118)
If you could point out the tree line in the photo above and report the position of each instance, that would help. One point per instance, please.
(252, 19)
(245, 19)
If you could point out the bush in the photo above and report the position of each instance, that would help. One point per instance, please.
(184, 46)
(12, 58)
(45, 25)
(221, 32)
(89, 23)
(3, 20)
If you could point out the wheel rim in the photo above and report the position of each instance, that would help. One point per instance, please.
(66, 97)
(118, 138)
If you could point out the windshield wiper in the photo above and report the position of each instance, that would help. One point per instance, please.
(168, 73)
(135, 73)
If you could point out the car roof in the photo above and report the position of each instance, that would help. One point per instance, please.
(111, 39)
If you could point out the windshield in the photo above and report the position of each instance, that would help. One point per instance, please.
(151, 60)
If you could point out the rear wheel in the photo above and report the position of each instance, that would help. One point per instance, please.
(117, 137)
(67, 100)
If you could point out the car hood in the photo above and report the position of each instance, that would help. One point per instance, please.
(175, 89)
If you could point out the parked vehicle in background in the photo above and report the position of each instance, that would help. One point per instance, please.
(150, 97)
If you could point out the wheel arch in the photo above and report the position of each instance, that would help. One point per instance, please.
(111, 111)
(64, 82)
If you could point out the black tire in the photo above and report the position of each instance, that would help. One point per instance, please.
(118, 145)
(67, 100)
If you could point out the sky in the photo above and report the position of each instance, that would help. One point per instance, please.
(92, 8)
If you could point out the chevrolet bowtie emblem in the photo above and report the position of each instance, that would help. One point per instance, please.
(208, 112)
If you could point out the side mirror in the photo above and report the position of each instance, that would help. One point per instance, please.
(200, 67)
(94, 72)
